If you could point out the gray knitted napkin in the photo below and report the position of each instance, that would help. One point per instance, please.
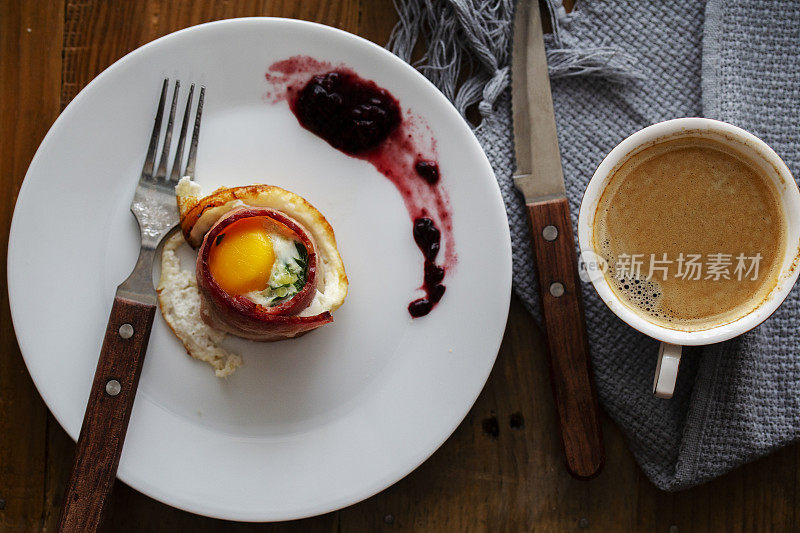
(617, 67)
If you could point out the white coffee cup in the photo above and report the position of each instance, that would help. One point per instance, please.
(673, 339)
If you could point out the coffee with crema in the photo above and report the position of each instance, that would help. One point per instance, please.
(693, 233)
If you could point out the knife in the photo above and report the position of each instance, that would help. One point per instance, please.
(540, 179)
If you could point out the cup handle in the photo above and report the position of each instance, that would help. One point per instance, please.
(669, 358)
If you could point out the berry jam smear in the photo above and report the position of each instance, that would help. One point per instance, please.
(352, 114)
(364, 120)
(428, 170)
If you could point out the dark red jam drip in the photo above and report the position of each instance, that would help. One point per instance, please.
(365, 121)
(427, 236)
(428, 170)
(352, 114)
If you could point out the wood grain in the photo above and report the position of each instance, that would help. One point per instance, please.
(30, 78)
(105, 423)
(565, 331)
(502, 468)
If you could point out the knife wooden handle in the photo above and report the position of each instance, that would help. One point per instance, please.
(562, 307)
(107, 414)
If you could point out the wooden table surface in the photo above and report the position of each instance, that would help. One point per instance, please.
(500, 470)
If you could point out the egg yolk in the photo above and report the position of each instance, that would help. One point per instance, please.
(241, 256)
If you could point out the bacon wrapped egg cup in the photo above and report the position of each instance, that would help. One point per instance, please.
(267, 269)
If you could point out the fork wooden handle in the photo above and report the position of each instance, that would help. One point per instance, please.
(562, 307)
(107, 414)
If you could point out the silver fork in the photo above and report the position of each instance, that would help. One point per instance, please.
(128, 331)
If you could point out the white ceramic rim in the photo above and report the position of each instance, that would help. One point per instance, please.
(185, 502)
(744, 141)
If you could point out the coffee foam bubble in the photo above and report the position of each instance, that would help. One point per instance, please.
(644, 294)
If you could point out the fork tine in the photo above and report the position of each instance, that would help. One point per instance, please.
(147, 169)
(195, 135)
(161, 173)
(175, 174)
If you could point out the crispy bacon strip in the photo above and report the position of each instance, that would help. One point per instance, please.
(239, 315)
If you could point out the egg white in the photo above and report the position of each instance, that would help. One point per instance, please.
(179, 299)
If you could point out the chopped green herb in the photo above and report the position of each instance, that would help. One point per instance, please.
(301, 249)
(288, 277)
(219, 239)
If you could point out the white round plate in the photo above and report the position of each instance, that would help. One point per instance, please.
(305, 426)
